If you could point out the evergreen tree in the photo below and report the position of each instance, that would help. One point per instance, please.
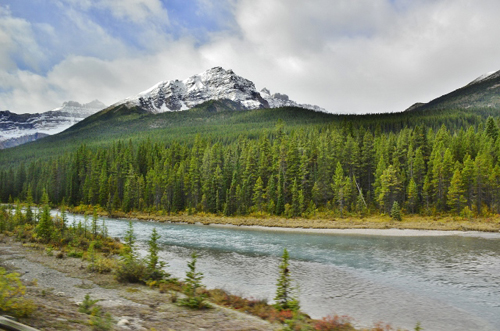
(280, 200)
(456, 198)
(258, 194)
(130, 238)
(94, 226)
(296, 207)
(153, 263)
(396, 212)
(285, 298)
(468, 179)
(390, 189)
(64, 217)
(192, 284)
(339, 188)
(29, 212)
(412, 195)
(491, 128)
(45, 225)
(103, 186)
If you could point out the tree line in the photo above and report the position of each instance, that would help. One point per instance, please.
(295, 172)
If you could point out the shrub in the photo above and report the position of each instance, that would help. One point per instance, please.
(102, 265)
(466, 213)
(381, 326)
(11, 295)
(196, 302)
(130, 270)
(334, 323)
(88, 305)
(99, 321)
(75, 254)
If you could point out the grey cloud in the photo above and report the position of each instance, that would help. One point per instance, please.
(345, 56)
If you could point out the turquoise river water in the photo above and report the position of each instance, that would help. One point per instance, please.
(447, 282)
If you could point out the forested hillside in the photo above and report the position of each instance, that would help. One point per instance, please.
(425, 162)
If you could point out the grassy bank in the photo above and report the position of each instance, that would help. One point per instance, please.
(414, 222)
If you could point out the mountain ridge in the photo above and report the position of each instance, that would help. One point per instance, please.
(482, 92)
(213, 84)
(16, 129)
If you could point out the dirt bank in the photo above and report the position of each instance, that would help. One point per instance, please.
(58, 285)
(410, 222)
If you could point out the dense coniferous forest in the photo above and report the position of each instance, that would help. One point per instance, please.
(427, 163)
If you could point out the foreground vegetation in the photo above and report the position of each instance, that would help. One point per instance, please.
(89, 241)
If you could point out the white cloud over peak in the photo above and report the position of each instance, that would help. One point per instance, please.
(17, 38)
(346, 56)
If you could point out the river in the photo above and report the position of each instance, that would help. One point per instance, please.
(447, 282)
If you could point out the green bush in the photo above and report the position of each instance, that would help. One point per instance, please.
(11, 295)
(196, 302)
(130, 270)
(88, 305)
(102, 265)
(75, 253)
(99, 321)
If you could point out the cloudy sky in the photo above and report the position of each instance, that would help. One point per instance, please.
(348, 56)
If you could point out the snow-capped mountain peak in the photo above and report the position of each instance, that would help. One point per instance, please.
(16, 129)
(484, 77)
(213, 84)
(79, 110)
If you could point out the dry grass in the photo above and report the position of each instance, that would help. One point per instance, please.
(415, 222)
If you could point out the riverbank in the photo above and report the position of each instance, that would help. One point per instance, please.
(409, 222)
(57, 285)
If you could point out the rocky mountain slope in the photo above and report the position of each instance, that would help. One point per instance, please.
(482, 92)
(17, 129)
(213, 84)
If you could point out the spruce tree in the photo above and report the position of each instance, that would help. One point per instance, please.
(258, 194)
(390, 188)
(45, 225)
(338, 187)
(94, 226)
(29, 212)
(396, 212)
(285, 296)
(456, 198)
(192, 284)
(130, 239)
(153, 263)
(491, 128)
(64, 217)
(193, 277)
(412, 195)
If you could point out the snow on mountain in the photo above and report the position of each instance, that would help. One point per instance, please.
(16, 129)
(277, 100)
(77, 110)
(213, 84)
(487, 76)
